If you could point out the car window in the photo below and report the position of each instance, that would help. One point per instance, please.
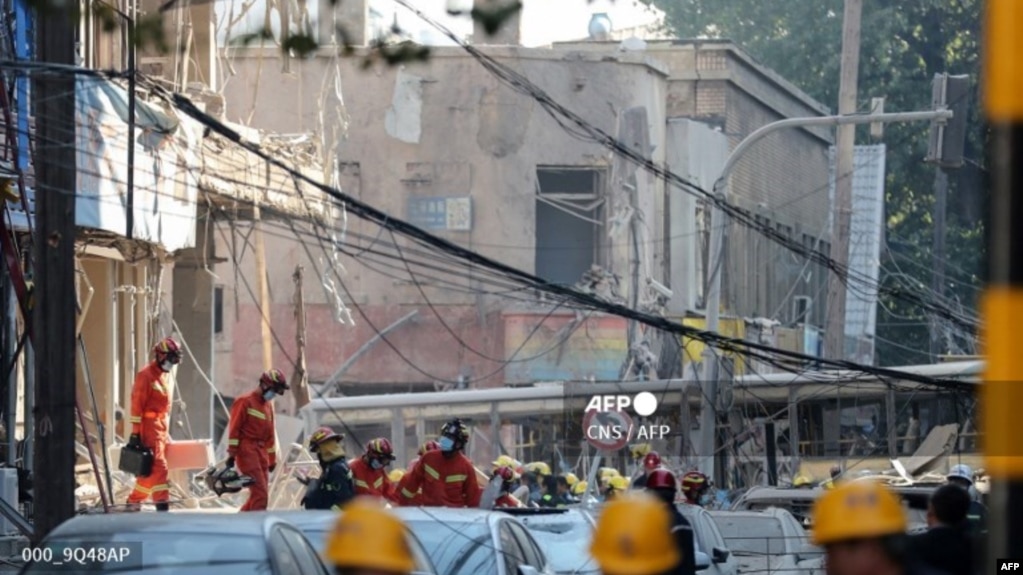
(511, 552)
(307, 557)
(457, 548)
(746, 535)
(281, 555)
(178, 550)
(532, 555)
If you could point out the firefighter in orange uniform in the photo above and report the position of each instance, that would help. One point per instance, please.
(446, 476)
(150, 407)
(370, 470)
(251, 437)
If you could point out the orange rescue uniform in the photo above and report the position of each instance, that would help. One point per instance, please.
(251, 441)
(150, 406)
(445, 482)
(369, 481)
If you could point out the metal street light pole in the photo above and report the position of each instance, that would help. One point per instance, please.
(708, 416)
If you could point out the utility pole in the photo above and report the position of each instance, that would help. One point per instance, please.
(1002, 394)
(54, 312)
(938, 256)
(834, 342)
(299, 378)
(264, 289)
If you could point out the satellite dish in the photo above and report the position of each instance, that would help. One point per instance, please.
(600, 26)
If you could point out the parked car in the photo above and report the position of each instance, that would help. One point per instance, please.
(187, 544)
(471, 541)
(564, 534)
(799, 502)
(316, 526)
(769, 541)
(712, 554)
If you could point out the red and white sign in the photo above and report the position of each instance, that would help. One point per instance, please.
(607, 430)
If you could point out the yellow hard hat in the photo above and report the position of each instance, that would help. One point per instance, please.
(367, 536)
(640, 450)
(619, 483)
(801, 480)
(395, 475)
(539, 467)
(859, 510)
(608, 472)
(579, 488)
(633, 537)
(571, 479)
(504, 461)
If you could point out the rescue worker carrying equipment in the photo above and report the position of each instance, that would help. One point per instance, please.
(651, 461)
(696, 488)
(447, 477)
(862, 527)
(150, 408)
(252, 437)
(334, 487)
(664, 486)
(368, 539)
(504, 477)
(633, 537)
(225, 480)
(370, 470)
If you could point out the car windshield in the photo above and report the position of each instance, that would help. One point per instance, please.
(746, 535)
(457, 548)
(178, 552)
(565, 544)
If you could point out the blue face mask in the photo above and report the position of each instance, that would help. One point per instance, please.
(447, 444)
(375, 464)
(269, 395)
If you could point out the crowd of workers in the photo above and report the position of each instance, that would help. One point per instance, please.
(860, 524)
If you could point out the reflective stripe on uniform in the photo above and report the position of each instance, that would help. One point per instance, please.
(160, 487)
(407, 493)
(455, 478)
(232, 442)
(256, 413)
(272, 449)
(135, 419)
(158, 387)
(378, 483)
(361, 483)
(431, 471)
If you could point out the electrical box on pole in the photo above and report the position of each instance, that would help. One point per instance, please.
(948, 137)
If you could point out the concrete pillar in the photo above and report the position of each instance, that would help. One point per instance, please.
(193, 312)
(510, 32)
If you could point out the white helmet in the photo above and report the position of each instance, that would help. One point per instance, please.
(961, 472)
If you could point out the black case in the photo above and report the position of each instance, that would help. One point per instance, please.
(136, 460)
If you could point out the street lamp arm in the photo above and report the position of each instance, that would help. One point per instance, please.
(761, 132)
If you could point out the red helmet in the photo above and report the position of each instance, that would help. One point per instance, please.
(693, 483)
(167, 350)
(275, 380)
(506, 473)
(428, 446)
(651, 461)
(661, 479)
(380, 449)
(321, 435)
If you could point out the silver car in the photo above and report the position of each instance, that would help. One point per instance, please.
(184, 544)
(316, 525)
(471, 541)
(565, 535)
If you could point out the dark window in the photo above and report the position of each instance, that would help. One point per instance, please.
(534, 556)
(308, 561)
(569, 223)
(281, 556)
(218, 309)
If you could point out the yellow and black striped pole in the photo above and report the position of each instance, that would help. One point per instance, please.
(1002, 396)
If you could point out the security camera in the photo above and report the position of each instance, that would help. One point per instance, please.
(660, 288)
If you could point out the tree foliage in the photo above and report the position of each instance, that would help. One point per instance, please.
(904, 44)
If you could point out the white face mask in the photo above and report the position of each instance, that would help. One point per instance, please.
(166, 366)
